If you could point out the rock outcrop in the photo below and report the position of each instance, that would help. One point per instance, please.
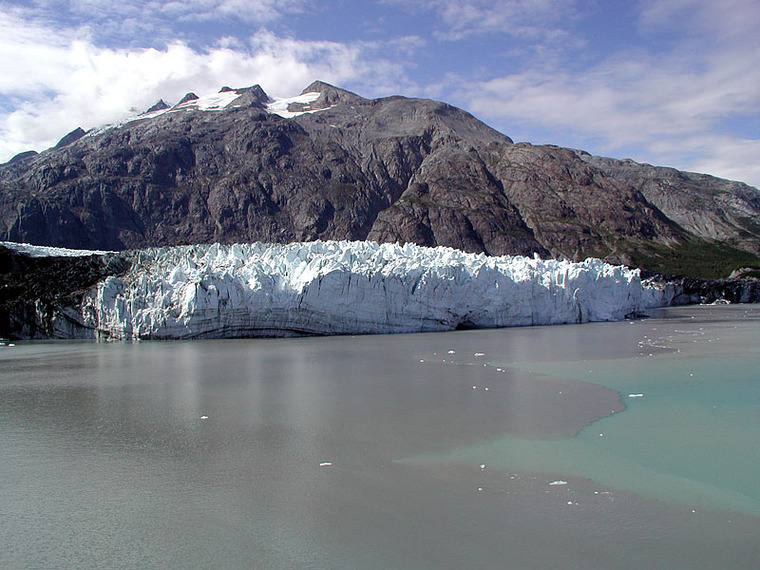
(38, 291)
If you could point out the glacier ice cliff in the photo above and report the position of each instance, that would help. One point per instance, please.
(244, 290)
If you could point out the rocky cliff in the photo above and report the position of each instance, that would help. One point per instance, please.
(329, 164)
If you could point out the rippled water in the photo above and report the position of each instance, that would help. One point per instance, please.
(413, 451)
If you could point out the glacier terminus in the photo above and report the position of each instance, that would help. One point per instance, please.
(337, 287)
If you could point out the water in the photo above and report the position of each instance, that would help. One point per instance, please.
(413, 451)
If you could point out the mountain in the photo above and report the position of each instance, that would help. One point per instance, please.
(237, 166)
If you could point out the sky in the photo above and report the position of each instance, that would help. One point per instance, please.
(668, 82)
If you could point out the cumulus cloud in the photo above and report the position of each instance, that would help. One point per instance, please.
(58, 80)
(667, 106)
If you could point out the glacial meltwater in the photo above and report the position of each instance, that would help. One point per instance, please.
(607, 445)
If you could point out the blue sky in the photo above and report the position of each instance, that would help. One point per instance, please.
(671, 82)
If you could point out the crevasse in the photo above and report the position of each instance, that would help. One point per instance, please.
(212, 291)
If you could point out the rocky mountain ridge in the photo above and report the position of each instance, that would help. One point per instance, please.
(329, 164)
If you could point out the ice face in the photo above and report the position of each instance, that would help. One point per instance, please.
(350, 288)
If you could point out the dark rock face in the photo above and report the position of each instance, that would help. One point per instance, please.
(27, 154)
(187, 98)
(690, 291)
(35, 291)
(392, 169)
(70, 138)
(159, 105)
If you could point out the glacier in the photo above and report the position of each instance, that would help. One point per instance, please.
(330, 288)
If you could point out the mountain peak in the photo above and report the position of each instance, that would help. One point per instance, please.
(253, 96)
(72, 137)
(20, 157)
(159, 105)
(188, 97)
(330, 95)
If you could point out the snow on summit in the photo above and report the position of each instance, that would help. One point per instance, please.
(281, 106)
(215, 102)
(284, 107)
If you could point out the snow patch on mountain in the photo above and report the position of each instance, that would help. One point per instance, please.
(223, 100)
(281, 106)
(244, 290)
(214, 102)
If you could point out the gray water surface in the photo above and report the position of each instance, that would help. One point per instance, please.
(409, 451)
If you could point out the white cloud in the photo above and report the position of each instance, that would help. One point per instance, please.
(671, 106)
(152, 23)
(725, 21)
(63, 81)
(733, 158)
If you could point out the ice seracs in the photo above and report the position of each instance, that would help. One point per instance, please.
(243, 290)
(260, 289)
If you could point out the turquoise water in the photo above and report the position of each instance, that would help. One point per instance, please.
(691, 432)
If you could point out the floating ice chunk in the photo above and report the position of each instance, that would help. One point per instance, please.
(558, 482)
(635, 395)
(326, 464)
(204, 417)
(478, 354)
